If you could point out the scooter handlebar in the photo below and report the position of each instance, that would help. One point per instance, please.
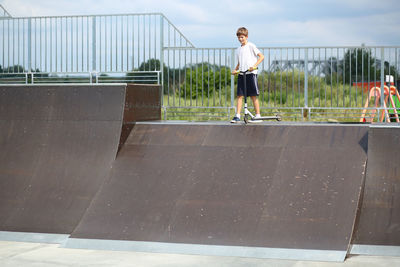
(243, 72)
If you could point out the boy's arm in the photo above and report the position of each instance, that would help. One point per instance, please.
(260, 59)
(235, 71)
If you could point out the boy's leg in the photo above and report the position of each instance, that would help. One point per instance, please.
(257, 108)
(239, 104)
(239, 99)
(236, 119)
(253, 92)
(256, 105)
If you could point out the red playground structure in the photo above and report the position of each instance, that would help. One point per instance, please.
(374, 89)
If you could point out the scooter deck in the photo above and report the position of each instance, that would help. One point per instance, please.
(276, 117)
(267, 118)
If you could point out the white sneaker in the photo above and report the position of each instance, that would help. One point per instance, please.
(235, 120)
(254, 120)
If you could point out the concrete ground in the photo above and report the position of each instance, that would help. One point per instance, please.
(46, 255)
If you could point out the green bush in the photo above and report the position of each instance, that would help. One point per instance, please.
(204, 80)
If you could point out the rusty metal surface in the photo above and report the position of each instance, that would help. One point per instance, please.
(62, 102)
(379, 219)
(142, 103)
(261, 186)
(57, 144)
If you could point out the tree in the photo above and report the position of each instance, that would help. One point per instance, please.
(11, 72)
(148, 70)
(12, 69)
(358, 64)
(203, 79)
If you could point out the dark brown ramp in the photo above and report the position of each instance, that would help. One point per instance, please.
(57, 144)
(264, 186)
(379, 220)
(142, 103)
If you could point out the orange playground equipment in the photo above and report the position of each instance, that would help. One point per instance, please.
(375, 92)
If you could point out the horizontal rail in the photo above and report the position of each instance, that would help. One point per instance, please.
(287, 47)
(89, 16)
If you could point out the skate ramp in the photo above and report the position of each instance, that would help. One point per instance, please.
(378, 227)
(57, 146)
(72, 161)
(267, 191)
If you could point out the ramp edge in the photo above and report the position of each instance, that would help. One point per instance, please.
(375, 250)
(61, 84)
(208, 250)
(33, 237)
(265, 123)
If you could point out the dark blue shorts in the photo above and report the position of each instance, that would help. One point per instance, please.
(251, 85)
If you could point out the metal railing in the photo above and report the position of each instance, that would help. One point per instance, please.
(56, 49)
(302, 83)
(4, 13)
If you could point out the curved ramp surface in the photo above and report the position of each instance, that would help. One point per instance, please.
(245, 187)
(57, 144)
(379, 219)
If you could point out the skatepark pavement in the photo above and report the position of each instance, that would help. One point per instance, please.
(52, 255)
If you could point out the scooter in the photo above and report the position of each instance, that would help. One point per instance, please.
(247, 114)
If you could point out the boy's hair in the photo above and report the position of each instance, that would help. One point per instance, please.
(242, 31)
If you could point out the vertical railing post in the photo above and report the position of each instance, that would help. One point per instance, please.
(233, 79)
(29, 45)
(382, 81)
(162, 62)
(306, 78)
(93, 46)
(305, 112)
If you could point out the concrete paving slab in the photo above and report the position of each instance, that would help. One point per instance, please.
(51, 255)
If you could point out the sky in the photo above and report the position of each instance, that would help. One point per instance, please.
(271, 23)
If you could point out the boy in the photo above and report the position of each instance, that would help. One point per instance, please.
(248, 57)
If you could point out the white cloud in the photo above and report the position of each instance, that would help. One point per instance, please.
(368, 4)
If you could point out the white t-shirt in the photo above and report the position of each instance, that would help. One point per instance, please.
(247, 56)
